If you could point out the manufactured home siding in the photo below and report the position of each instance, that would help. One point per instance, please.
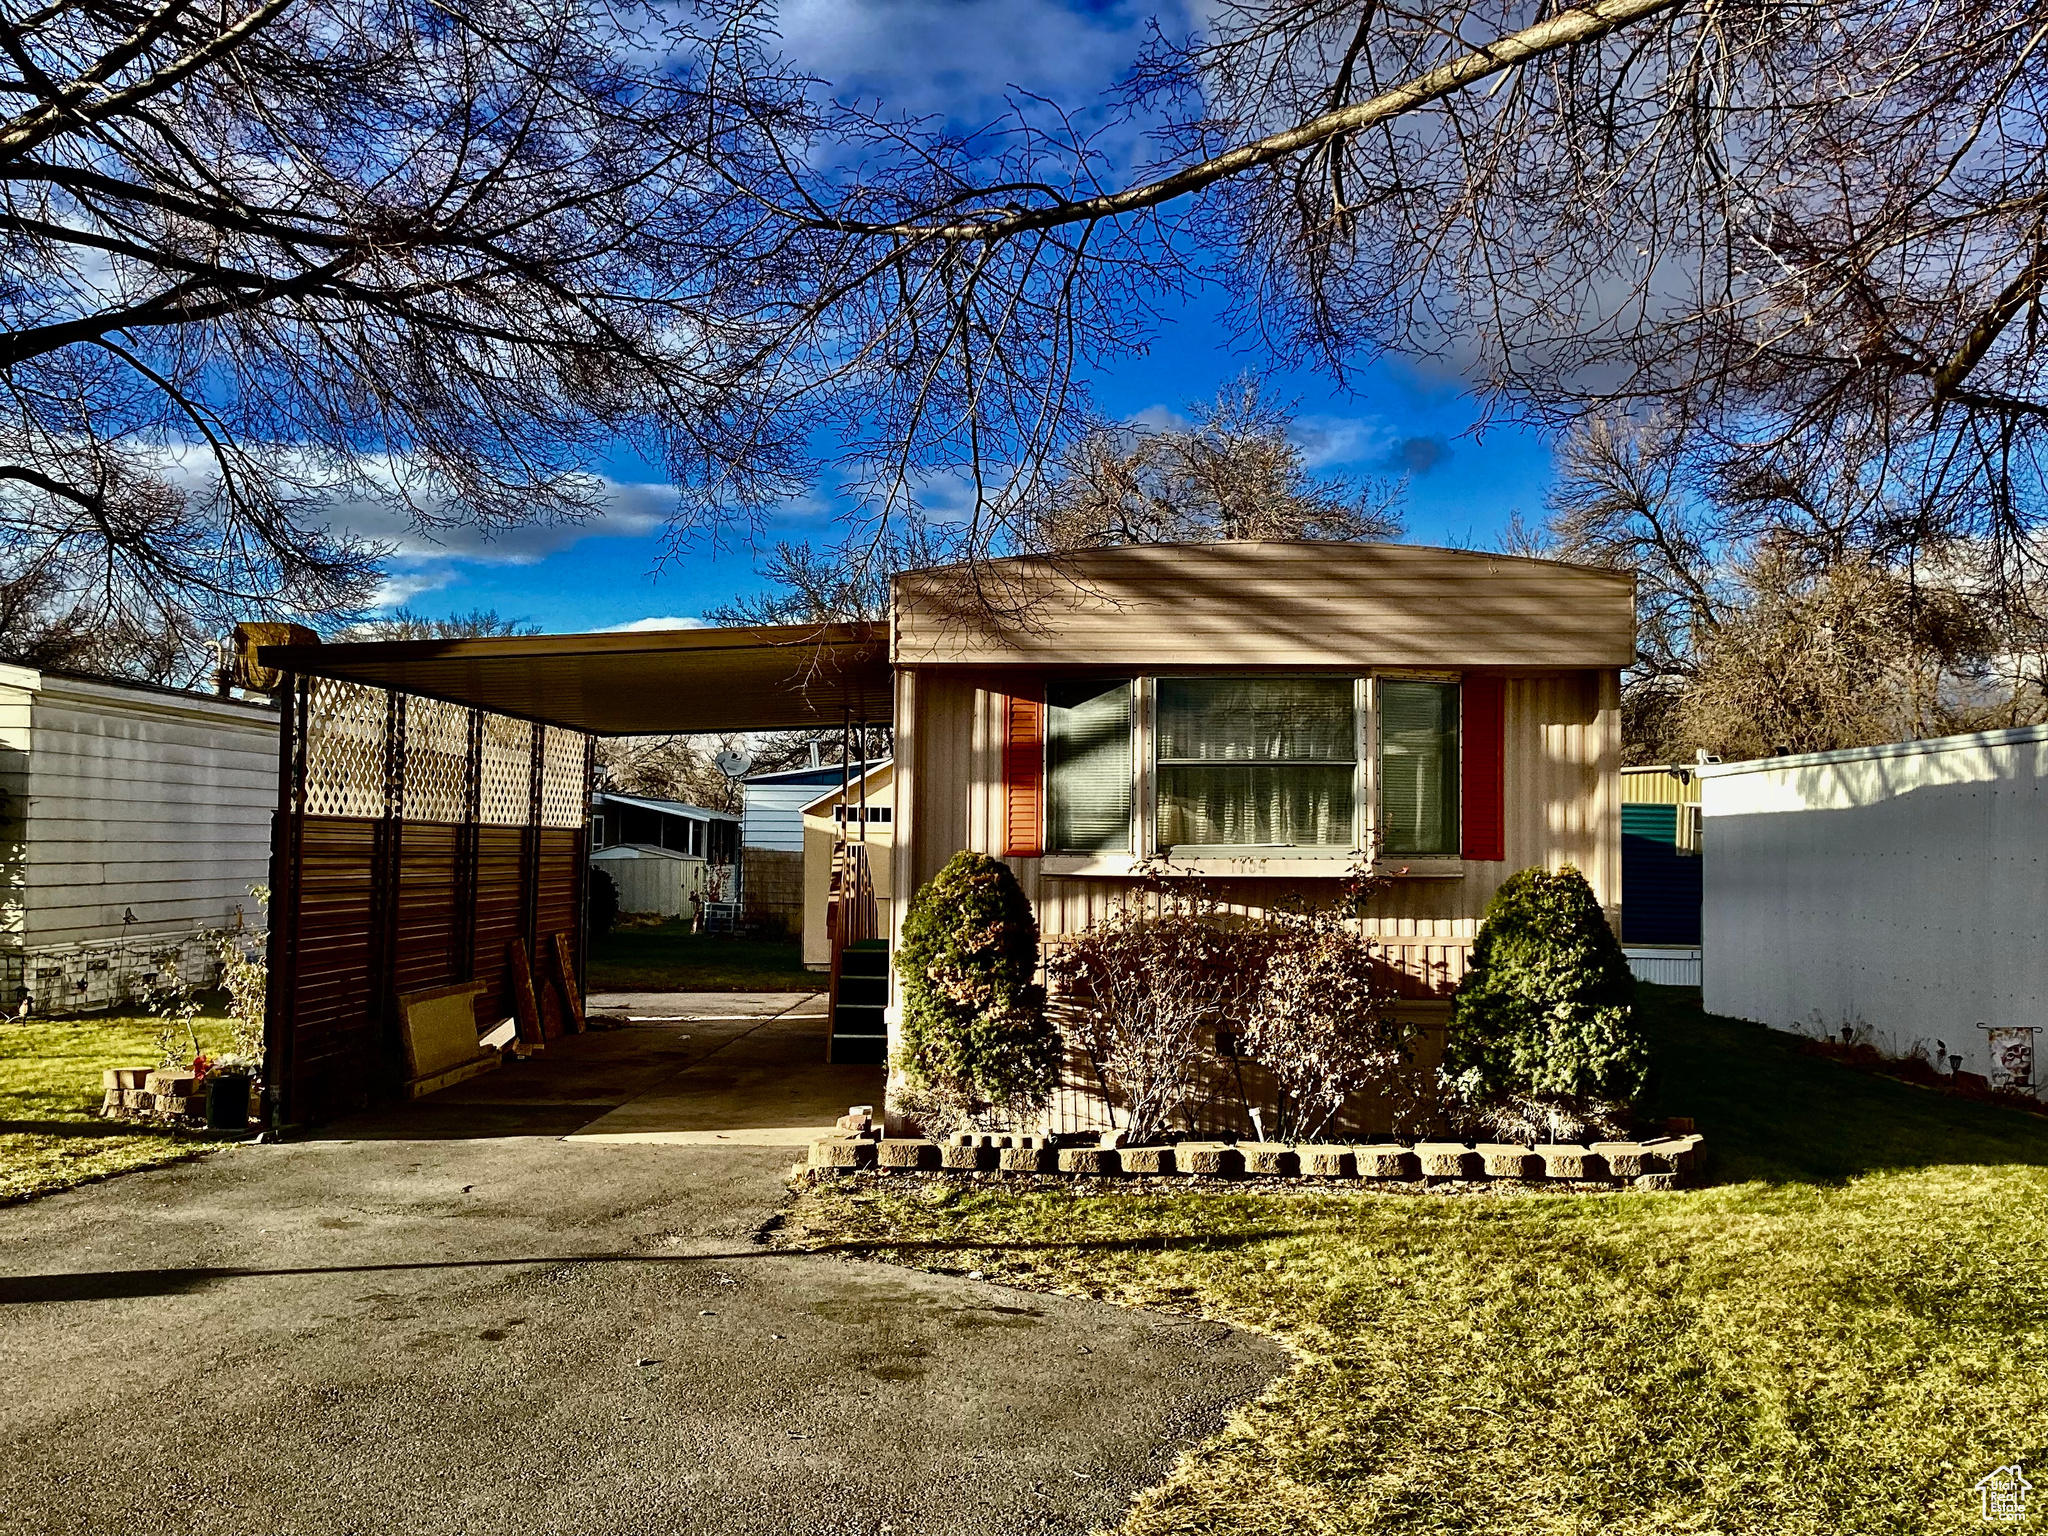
(1181, 607)
(1563, 747)
(17, 712)
(136, 802)
(774, 816)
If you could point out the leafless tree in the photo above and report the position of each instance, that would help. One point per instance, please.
(263, 255)
(44, 623)
(411, 624)
(270, 260)
(1798, 234)
(1235, 472)
(672, 768)
(1775, 613)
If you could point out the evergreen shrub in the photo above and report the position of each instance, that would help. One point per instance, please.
(601, 902)
(1545, 1015)
(977, 1048)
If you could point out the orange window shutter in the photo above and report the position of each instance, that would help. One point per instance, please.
(1482, 789)
(1023, 775)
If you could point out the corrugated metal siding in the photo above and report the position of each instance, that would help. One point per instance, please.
(1659, 786)
(499, 914)
(429, 931)
(1674, 967)
(1272, 604)
(335, 1056)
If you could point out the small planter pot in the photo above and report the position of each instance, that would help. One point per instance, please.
(227, 1101)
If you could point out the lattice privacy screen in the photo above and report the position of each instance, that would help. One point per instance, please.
(343, 755)
(436, 761)
(563, 797)
(505, 798)
(371, 753)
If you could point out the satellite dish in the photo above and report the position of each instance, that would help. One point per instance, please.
(733, 764)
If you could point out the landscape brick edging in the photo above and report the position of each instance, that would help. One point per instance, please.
(1660, 1162)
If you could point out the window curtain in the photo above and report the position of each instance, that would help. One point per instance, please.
(1268, 762)
(1418, 767)
(1088, 763)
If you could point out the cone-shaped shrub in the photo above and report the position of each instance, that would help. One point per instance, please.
(976, 1045)
(1547, 1009)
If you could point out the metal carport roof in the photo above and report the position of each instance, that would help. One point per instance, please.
(777, 677)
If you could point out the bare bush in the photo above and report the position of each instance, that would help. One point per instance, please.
(1142, 988)
(1786, 611)
(1321, 1021)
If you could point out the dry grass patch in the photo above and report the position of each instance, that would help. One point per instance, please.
(1843, 1335)
(51, 1136)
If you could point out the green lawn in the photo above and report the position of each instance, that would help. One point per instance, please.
(50, 1133)
(670, 958)
(1841, 1333)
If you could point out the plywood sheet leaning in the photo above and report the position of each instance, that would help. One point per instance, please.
(441, 1046)
(563, 972)
(525, 1005)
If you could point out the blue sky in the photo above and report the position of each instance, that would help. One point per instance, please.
(970, 53)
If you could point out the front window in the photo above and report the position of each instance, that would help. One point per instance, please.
(1257, 762)
(1088, 765)
(1418, 767)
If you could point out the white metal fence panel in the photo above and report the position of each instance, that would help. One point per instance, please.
(1901, 890)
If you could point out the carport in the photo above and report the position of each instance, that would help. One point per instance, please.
(433, 807)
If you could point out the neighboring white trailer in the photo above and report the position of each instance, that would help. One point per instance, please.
(135, 816)
(1900, 889)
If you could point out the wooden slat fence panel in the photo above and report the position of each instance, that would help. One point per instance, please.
(500, 901)
(414, 841)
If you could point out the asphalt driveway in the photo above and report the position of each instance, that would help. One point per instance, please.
(463, 1316)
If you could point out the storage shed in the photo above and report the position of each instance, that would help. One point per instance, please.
(136, 817)
(1898, 891)
(666, 857)
(864, 812)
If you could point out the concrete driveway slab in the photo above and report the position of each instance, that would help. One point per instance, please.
(479, 1332)
(765, 1084)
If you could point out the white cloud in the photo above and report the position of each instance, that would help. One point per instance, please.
(395, 591)
(625, 511)
(666, 621)
(1158, 418)
(1327, 440)
(1360, 442)
(960, 57)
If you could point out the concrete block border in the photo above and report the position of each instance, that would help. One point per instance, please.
(1652, 1163)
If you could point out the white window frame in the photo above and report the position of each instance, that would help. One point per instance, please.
(1279, 863)
(1427, 863)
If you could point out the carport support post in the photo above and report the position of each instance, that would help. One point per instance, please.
(281, 947)
(583, 852)
(529, 835)
(386, 853)
(462, 964)
(902, 865)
